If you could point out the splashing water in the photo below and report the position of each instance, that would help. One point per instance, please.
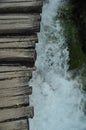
(57, 100)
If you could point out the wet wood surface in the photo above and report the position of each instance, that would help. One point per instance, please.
(19, 25)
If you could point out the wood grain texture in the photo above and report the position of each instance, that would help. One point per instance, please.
(17, 6)
(18, 42)
(16, 113)
(19, 24)
(24, 90)
(6, 68)
(20, 53)
(15, 125)
(15, 74)
(21, 56)
(14, 101)
(14, 82)
(13, 1)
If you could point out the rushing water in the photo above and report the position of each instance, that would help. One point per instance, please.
(56, 99)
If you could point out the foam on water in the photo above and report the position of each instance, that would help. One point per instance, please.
(57, 100)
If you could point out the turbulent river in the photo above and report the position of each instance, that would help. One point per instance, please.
(56, 97)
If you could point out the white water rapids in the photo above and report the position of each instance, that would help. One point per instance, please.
(57, 100)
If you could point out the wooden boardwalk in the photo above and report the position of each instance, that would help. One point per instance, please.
(19, 24)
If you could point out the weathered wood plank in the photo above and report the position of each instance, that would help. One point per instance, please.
(25, 6)
(19, 23)
(17, 56)
(15, 125)
(24, 90)
(15, 74)
(16, 113)
(22, 53)
(14, 83)
(9, 1)
(14, 101)
(18, 42)
(6, 68)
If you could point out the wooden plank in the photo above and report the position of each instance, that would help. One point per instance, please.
(8, 1)
(14, 101)
(15, 125)
(20, 6)
(21, 53)
(14, 82)
(6, 68)
(17, 56)
(19, 23)
(24, 90)
(15, 74)
(16, 113)
(18, 42)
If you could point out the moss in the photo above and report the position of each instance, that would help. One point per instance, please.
(83, 77)
(72, 36)
(76, 54)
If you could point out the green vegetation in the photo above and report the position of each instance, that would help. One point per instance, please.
(72, 16)
(76, 54)
(72, 26)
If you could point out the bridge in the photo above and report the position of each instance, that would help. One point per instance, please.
(19, 24)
